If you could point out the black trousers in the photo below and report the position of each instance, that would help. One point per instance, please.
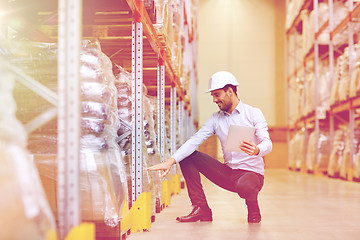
(246, 184)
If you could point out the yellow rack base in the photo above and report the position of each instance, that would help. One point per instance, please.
(140, 213)
(165, 193)
(125, 222)
(85, 231)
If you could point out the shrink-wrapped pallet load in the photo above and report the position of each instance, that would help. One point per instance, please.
(25, 211)
(346, 164)
(310, 93)
(337, 152)
(164, 20)
(308, 26)
(334, 98)
(324, 87)
(102, 173)
(292, 152)
(344, 83)
(311, 152)
(297, 151)
(355, 75)
(356, 171)
(322, 145)
(293, 7)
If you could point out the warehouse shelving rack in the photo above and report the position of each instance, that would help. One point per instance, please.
(123, 27)
(343, 111)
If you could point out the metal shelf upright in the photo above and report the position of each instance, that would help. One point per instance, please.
(137, 107)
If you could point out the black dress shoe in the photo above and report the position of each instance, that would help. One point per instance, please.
(197, 214)
(254, 215)
(254, 218)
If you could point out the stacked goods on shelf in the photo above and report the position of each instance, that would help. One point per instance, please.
(102, 173)
(176, 47)
(337, 153)
(345, 86)
(355, 75)
(299, 98)
(324, 147)
(293, 8)
(356, 167)
(340, 12)
(169, 25)
(164, 21)
(100, 153)
(346, 160)
(344, 82)
(25, 211)
(292, 152)
(307, 97)
(297, 150)
(309, 93)
(306, 91)
(324, 86)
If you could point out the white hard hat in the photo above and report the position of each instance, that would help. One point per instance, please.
(220, 79)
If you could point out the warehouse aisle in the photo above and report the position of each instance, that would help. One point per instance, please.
(294, 206)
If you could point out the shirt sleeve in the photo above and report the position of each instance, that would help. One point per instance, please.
(195, 141)
(262, 137)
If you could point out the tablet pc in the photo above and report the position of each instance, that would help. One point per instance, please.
(236, 135)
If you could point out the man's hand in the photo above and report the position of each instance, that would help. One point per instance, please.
(163, 166)
(249, 148)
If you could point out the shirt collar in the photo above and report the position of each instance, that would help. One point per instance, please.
(238, 108)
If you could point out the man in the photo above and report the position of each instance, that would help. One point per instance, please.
(242, 172)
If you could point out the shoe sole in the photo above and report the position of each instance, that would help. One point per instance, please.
(193, 220)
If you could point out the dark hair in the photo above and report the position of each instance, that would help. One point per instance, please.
(234, 88)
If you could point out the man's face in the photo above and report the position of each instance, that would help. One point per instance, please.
(222, 99)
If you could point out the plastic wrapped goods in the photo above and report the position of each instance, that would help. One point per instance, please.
(356, 172)
(323, 145)
(25, 211)
(100, 154)
(337, 77)
(344, 83)
(300, 156)
(336, 155)
(310, 94)
(124, 110)
(346, 162)
(355, 75)
(324, 87)
(340, 13)
(297, 150)
(102, 173)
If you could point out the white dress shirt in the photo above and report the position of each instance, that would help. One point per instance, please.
(219, 124)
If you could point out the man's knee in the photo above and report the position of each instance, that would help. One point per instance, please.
(248, 187)
(247, 190)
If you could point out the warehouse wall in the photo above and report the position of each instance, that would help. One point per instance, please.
(245, 37)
